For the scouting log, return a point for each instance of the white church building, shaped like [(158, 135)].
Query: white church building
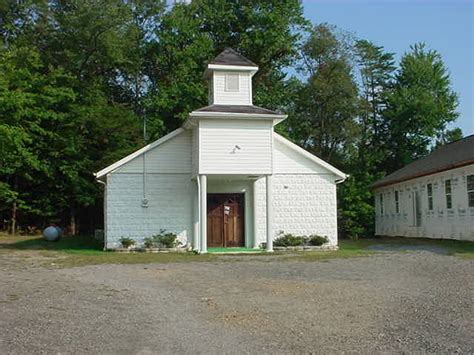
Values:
[(432, 197), (224, 179)]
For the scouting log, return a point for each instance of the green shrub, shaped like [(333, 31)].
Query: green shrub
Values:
[(317, 240), (289, 240), (165, 240), (149, 242), (127, 242)]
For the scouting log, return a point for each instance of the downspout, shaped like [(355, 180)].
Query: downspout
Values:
[(105, 212), (144, 200)]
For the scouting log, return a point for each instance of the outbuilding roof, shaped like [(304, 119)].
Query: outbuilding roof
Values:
[(453, 155), (230, 57)]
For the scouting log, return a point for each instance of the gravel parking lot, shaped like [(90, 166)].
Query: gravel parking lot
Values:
[(391, 301)]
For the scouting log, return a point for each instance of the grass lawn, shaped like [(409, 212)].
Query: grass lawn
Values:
[(83, 250)]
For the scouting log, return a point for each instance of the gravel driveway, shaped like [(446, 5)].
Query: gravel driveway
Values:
[(403, 302)]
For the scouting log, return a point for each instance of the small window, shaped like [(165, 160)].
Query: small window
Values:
[(470, 190), (381, 204), (397, 203), (448, 193), (429, 188), (232, 82)]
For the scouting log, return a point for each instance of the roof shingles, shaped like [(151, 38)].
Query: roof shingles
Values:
[(230, 57), (449, 156)]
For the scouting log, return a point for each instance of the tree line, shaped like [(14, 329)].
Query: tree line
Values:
[(85, 82)]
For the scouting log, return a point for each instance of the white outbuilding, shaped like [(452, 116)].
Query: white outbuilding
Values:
[(432, 197), (224, 179)]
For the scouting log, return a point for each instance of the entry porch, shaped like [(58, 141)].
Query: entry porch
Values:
[(226, 212)]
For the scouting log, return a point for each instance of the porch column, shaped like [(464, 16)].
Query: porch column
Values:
[(203, 219), (269, 199), (195, 192), (255, 217)]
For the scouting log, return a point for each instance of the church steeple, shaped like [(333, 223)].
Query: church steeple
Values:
[(230, 79)]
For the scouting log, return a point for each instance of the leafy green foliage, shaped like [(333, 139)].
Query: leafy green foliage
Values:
[(165, 240), (317, 240), (420, 106), (323, 120), (127, 242), (289, 240)]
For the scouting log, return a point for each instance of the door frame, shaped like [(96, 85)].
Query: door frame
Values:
[(243, 205), (238, 185)]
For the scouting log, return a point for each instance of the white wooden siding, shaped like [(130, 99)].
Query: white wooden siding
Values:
[(218, 153), (455, 223), (223, 97), (287, 161), (173, 156), (195, 151)]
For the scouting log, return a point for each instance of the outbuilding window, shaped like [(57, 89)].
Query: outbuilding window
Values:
[(397, 203), (448, 193), (429, 189), (470, 190), (232, 82), (381, 204)]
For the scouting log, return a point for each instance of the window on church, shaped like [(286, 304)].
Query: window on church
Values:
[(381, 204), (448, 193), (232, 82), (470, 190), (397, 202), (429, 188)]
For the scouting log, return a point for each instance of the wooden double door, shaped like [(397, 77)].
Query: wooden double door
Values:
[(225, 220)]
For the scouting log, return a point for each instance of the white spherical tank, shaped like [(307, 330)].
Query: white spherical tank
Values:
[(51, 234)]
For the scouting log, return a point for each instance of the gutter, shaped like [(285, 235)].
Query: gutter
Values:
[(339, 181)]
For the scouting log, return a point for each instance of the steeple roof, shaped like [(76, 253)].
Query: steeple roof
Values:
[(230, 57)]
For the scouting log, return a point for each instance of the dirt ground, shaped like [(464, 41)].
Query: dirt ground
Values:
[(387, 302)]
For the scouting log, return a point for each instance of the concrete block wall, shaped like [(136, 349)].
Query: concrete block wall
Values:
[(303, 204), (169, 206)]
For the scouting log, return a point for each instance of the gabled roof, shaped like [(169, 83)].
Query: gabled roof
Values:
[(237, 109), (453, 155), (178, 131), (137, 153), (230, 57), (311, 157)]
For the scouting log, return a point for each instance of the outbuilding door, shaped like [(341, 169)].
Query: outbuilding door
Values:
[(225, 220)]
